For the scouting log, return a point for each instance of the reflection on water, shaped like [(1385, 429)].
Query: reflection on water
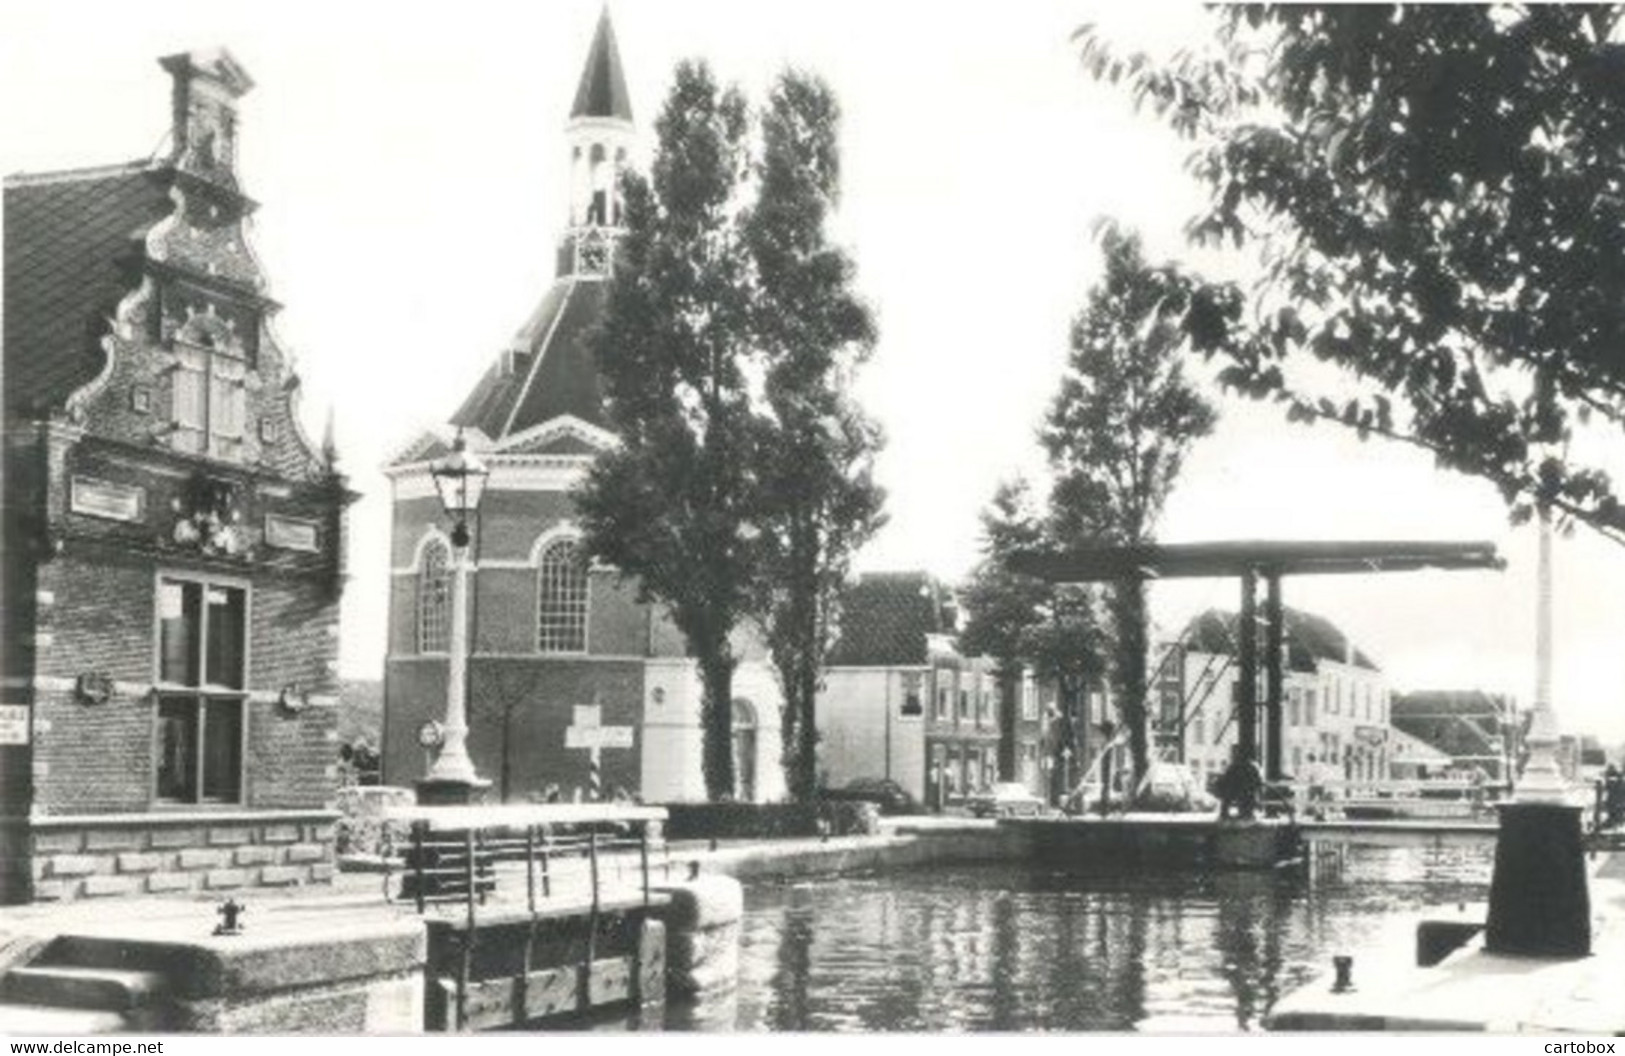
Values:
[(1004, 948)]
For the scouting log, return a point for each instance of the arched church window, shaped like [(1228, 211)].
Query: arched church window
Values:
[(561, 609), (434, 598)]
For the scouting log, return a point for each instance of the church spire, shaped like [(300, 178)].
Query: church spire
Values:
[(602, 91), (600, 135)]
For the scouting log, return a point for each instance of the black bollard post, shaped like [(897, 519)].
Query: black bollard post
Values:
[(1343, 964)]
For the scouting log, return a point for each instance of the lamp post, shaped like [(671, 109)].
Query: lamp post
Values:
[(459, 478), (1540, 903)]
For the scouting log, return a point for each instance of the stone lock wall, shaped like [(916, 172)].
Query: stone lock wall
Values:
[(184, 855)]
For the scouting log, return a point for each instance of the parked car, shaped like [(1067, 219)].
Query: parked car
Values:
[(1008, 799), (891, 797)]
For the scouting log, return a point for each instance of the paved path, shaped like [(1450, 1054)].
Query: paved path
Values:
[(1473, 990)]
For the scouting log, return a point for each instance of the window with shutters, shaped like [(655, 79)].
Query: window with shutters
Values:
[(210, 395)]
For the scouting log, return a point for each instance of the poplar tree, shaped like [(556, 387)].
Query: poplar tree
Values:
[(819, 500), (673, 504), (743, 483), (1117, 434)]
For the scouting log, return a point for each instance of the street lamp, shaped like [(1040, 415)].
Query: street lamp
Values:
[(459, 478), (1540, 902)]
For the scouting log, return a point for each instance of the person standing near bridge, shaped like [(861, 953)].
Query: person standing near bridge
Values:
[(1613, 795)]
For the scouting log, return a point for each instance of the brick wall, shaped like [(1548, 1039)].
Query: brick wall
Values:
[(539, 696), (414, 693), (184, 855), (99, 757)]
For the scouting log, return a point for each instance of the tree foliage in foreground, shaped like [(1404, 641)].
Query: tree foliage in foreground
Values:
[(1437, 196)]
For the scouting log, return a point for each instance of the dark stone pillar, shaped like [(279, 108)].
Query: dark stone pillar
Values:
[(1539, 902), (1247, 683), (1274, 635)]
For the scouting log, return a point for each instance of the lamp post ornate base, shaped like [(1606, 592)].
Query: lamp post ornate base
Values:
[(450, 792), (1539, 902)]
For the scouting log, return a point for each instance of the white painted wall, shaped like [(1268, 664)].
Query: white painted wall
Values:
[(862, 731), (673, 739)]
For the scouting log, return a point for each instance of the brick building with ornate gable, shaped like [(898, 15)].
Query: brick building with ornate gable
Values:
[(173, 543), (550, 633)]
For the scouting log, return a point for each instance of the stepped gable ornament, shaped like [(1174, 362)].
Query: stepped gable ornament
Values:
[(209, 519)]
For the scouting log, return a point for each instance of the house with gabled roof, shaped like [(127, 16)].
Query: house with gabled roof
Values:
[(1335, 712), (553, 636), (1470, 727), (173, 541), (900, 701)]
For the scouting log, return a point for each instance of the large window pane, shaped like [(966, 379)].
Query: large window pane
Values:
[(222, 749), (177, 743), (225, 637), (202, 642), (178, 627)]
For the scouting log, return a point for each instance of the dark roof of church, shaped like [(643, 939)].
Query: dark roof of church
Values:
[(551, 372), (885, 617), (1309, 638), (602, 91), (71, 239)]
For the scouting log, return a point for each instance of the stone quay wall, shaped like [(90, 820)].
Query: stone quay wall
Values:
[(179, 854)]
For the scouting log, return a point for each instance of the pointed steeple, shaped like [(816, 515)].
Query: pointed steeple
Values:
[(602, 91)]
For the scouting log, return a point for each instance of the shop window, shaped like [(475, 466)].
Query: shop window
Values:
[(202, 658)]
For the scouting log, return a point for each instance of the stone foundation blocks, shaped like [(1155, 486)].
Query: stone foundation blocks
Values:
[(97, 886), (201, 859), (281, 876), (140, 863), (163, 839), (163, 883), (72, 865)]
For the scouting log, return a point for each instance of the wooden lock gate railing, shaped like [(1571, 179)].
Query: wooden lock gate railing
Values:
[(516, 865)]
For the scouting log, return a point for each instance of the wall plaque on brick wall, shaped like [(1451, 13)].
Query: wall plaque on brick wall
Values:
[(13, 723), (100, 498), (290, 533)]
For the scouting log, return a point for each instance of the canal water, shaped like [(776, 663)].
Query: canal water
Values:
[(1012, 948)]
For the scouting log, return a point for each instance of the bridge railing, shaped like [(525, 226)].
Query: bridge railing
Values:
[(465, 856)]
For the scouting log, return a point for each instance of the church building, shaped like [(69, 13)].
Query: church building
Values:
[(557, 645)]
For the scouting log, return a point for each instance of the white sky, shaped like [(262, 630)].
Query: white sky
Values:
[(411, 166)]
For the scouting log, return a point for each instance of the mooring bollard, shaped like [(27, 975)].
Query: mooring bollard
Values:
[(1343, 964), (229, 911)]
